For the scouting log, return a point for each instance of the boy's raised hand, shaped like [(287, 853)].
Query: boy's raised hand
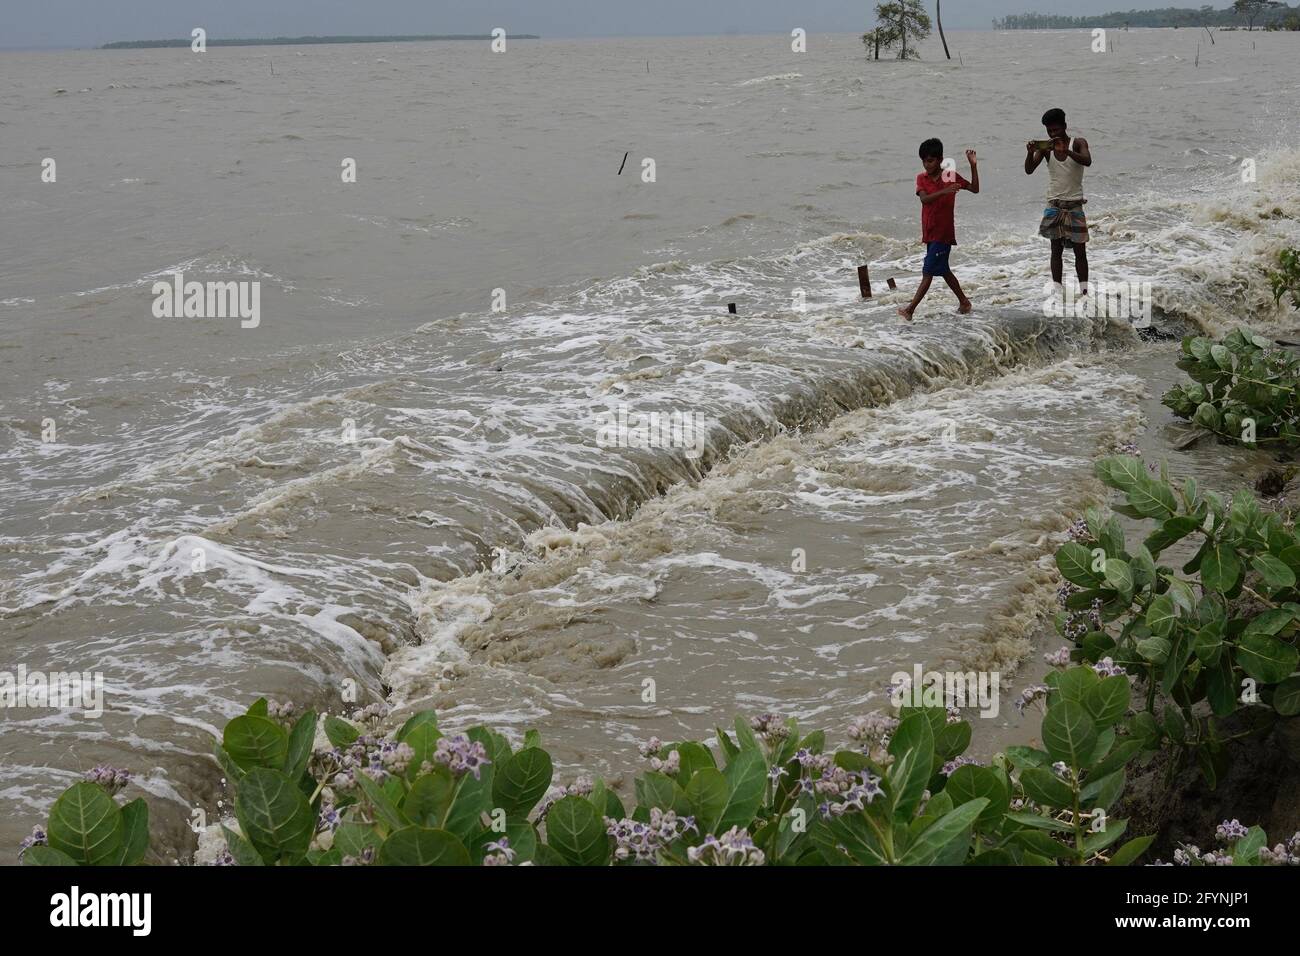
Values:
[(970, 156)]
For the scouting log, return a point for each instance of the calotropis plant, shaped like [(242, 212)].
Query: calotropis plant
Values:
[(901, 793), (1243, 389), (1221, 629)]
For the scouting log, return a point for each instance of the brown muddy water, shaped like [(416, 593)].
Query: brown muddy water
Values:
[(389, 485)]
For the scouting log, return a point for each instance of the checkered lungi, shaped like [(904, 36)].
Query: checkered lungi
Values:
[(1064, 220)]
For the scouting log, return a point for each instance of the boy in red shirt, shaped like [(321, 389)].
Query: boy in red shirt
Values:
[(937, 190)]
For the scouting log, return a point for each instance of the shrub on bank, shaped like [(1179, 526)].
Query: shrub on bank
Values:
[(1213, 638), (902, 793)]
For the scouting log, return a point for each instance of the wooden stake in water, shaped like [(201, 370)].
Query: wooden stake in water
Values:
[(1198, 53), (864, 282)]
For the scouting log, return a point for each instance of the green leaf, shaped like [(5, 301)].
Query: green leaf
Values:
[(577, 833), (951, 826), (275, 815), (969, 782), (1044, 787), (1246, 852), (1162, 615), (40, 855), (1130, 851), (912, 746), (707, 791), (352, 839), (301, 739), (1153, 498), (422, 846), (1275, 574), (254, 741), (1286, 697), (1170, 532), (521, 781), (1069, 733), (240, 849), (135, 833), (424, 718), (1075, 564), (1037, 820), (1123, 472), (746, 778), (1103, 791), (1220, 567), (1023, 758), (1038, 841), (1108, 700), (385, 809), (1098, 841), (340, 732), (1266, 659), (1120, 577), (86, 824), (428, 802)]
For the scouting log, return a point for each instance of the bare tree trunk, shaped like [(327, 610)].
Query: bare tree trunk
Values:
[(877, 43), (938, 13)]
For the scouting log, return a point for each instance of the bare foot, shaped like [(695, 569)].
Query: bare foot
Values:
[(906, 313), (965, 307)]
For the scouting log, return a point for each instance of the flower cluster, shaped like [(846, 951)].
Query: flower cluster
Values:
[(1029, 695), (461, 755), (282, 712), (1079, 623), (1065, 592), (365, 859), (372, 712), (771, 728), (581, 787), (1108, 668), (38, 838), (951, 766), (499, 853), (376, 757), (1230, 830), (643, 841), (733, 848), (1059, 657), (1078, 531), (329, 817), (873, 732), (110, 778)]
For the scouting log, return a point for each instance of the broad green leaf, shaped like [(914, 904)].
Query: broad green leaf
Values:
[(41, 855), (243, 852), (969, 782), (422, 846), (954, 825), (1069, 733), (577, 833), (301, 739), (1044, 787), (1266, 659), (254, 741), (1130, 851), (86, 824), (746, 778), (522, 781), (275, 815)]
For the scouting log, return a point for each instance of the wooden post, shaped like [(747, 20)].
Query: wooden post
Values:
[(892, 283), (938, 13), (864, 282), (731, 307)]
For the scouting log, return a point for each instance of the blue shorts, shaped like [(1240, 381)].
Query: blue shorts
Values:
[(936, 259)]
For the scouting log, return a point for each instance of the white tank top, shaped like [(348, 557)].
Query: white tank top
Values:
[(1064, 178)]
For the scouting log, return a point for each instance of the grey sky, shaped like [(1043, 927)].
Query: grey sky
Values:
[(92, 22)]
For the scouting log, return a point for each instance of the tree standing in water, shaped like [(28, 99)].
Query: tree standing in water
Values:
[(909, 20)]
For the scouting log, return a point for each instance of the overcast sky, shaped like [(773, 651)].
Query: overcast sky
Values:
[(80, 23)]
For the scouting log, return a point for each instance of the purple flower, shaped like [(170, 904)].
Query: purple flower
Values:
[(110, 778), (461, 755), (1230, 830)]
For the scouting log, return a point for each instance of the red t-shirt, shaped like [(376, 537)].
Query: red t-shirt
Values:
[(937, 223)]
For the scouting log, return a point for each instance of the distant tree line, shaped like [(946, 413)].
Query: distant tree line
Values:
[(302, 41), (1244, 13)]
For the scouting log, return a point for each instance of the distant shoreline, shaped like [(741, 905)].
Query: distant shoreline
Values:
[(305, 41)]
